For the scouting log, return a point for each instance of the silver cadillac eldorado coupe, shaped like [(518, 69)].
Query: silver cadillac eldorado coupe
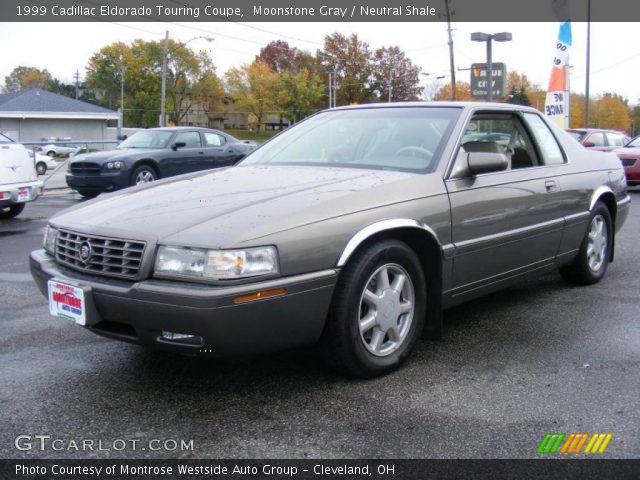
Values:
[(353, 229)]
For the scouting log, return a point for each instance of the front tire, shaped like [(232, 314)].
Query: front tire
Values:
[(88, 193), (377, 312), (591, 263), (11, 211), (143, 174)]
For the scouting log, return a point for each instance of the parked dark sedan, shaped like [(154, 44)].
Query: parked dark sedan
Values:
[(152, 154), (354, 228)]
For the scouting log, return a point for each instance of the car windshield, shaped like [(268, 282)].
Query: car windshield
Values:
[(147, 139), (575, 134), (634, 143), (5, 139), (406, 138)]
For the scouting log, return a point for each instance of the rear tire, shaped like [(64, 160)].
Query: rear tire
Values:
[(51, 153), (377, 312), (591, 263), (11, 211), (41, 168)]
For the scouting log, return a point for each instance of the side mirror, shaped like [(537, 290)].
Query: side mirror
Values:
[(178, 145), (588, 144), (486, 162)]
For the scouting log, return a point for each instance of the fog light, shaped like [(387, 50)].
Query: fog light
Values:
[(181, 338)]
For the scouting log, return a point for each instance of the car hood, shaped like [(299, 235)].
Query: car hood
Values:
[(237, 205), (113, 155)]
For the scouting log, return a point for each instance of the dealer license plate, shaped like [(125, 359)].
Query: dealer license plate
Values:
[(67, 301), (23, 195)]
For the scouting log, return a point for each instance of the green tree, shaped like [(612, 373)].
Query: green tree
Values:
[(349, 58), (518, 96), (300, 94), (255, 88), (191, 80), (23, 78), (390, 65)]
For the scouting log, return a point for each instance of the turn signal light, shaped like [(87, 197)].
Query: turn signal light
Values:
[(259, 295)]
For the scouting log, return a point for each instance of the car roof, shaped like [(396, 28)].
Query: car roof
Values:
[(177, 129), (441, 104)]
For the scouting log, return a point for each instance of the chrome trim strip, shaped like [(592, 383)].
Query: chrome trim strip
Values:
[(577, 217), (625, 200), (378, 227), (597, 193), (468, 245)]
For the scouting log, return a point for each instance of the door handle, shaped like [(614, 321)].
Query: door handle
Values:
[(201, 153), (551, 186)]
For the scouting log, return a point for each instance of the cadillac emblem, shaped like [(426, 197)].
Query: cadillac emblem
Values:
[(85, 251)]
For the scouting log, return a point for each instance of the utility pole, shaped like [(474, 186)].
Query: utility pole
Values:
[(330, 90), (390, 82), (451, 62), (77, 77), (163, 88), (586, 87)]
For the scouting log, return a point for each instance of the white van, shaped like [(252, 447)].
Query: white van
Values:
[(19, 182)]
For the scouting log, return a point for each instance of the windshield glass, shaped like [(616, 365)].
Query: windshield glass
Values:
[(5, 139), (634, 143), (404, 138), (148, 139), (577, 135)]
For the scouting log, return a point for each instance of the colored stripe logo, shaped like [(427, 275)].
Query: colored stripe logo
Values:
[(573, 443)]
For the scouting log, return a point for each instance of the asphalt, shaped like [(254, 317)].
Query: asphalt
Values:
[(541, 357)]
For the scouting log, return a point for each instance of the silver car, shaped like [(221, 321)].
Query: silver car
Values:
[(353, 229)]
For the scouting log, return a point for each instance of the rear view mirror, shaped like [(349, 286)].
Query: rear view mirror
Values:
[(486, 162), (178, 145)]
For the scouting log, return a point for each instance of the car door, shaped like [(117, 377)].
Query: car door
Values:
[(183, 159), (504, 223), (220, 152)]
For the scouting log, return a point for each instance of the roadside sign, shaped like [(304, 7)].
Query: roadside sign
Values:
[(480, 80)]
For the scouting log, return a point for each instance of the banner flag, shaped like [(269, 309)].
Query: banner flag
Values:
[(557, 102)]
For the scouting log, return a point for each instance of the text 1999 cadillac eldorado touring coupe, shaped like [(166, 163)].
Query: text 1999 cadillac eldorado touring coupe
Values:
[(354, 229)]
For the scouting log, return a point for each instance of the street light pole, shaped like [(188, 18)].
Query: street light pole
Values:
[(163, 88), (486, 37)]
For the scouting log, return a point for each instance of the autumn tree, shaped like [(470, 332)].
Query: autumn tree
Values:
[(23, 78), (349, 58), (392, 68), (255, 87), (610, 111), (463, 92)]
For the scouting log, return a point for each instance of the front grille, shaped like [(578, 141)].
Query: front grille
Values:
[(628, 162), (84, 168), (112, 257)]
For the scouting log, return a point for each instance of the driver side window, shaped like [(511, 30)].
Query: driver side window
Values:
[(191, 139), (500, 133)]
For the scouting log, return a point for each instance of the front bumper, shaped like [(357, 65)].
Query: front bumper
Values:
[(101, 182), (139, 312), (10, 192)]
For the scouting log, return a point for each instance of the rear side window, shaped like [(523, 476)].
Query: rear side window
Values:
[(549, 148), (597, 139), (214, 140), (616, 140)]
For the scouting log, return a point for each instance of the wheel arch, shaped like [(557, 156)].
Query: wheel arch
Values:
[(146, 162), (606, 196), (424, 242)]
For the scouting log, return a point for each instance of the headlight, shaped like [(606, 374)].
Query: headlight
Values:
[(49, 241), (116, 165), (216, 264)]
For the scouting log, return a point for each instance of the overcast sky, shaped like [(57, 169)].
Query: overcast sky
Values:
[(615, 59)]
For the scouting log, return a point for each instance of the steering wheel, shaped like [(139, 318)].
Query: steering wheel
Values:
[(413, 151)]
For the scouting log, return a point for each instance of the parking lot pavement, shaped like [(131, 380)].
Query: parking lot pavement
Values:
[(541, 357)]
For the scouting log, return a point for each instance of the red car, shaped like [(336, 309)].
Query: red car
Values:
[(630, 156), (598, 139)]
